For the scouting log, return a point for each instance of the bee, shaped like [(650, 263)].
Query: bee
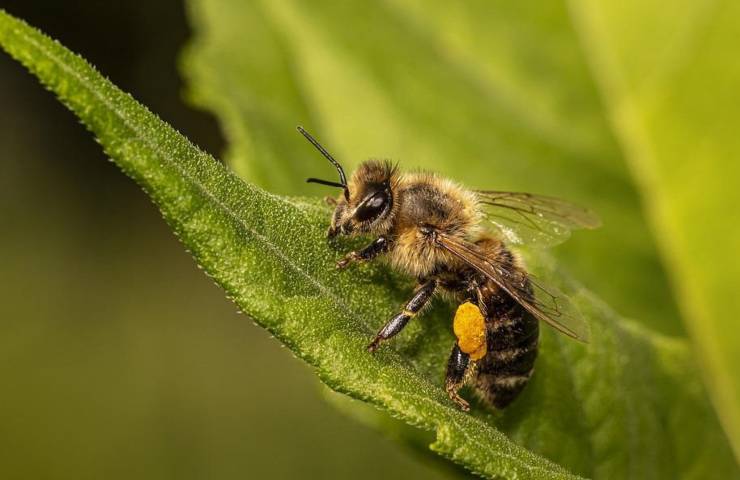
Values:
[(454, 240)]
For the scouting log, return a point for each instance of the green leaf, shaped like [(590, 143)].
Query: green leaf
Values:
[(627, 405), (675, 109), (494, 94)]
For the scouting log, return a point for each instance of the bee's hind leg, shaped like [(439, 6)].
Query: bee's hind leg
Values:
[(457, 369), (421, 297)]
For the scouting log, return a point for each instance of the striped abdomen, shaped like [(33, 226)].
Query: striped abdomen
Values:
[(511, 334)]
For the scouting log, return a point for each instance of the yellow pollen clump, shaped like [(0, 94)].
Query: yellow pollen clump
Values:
[(470, 329)]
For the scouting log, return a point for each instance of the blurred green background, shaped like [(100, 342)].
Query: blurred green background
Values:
[(118, 357)]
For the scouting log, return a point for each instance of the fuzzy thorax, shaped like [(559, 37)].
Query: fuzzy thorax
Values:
[(429, 201)]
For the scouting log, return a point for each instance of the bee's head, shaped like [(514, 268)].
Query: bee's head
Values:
[(366, 203)]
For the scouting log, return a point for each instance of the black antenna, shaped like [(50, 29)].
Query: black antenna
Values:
[(342, 178), (325, 182)]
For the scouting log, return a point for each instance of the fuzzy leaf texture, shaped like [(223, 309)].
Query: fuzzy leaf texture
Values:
[(628, 405)]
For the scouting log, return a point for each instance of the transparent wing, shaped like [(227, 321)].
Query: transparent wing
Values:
[(543, 301), (525, 218)]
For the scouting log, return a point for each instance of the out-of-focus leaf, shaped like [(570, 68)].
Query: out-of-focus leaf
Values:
[(627, 405), (676, 108), (494, 94)]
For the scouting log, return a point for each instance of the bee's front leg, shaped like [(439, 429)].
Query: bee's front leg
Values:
[(421, 297), (379, 245)]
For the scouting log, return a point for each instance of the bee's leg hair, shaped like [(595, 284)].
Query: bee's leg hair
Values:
[(457, 367), (379, 245), (422, 295)]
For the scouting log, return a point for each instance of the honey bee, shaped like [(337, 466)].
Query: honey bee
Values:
[(454, 240)]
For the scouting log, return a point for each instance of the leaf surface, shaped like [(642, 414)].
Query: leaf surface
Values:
[(627, 405)]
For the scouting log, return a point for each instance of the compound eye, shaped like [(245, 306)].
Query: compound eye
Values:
[(372, 207)]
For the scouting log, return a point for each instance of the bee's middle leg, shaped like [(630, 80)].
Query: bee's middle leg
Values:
[(421, 297)]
